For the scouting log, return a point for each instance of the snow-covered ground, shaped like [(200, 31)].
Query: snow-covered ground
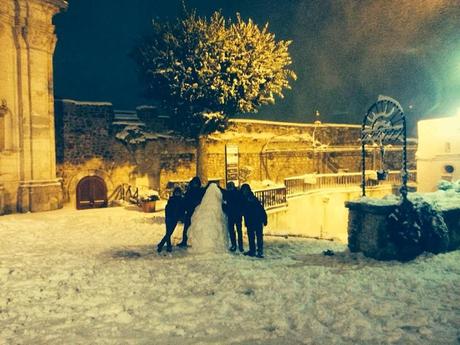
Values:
[(93, 277)]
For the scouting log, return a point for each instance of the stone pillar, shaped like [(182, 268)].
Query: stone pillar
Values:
[(8, 91), (27, 42), (2, 206)]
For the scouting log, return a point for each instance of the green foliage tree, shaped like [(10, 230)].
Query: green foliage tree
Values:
[(203, 71)]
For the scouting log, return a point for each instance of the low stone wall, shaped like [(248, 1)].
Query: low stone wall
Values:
[(368, 226), (318, 214)]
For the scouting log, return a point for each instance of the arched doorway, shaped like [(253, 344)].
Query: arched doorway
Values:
[(91, 193)]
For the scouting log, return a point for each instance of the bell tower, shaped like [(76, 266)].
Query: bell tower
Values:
[(27, 144)]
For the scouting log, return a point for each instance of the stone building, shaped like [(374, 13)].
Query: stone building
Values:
[(106, 149), (85, 153), (438, 152), (27, 146)]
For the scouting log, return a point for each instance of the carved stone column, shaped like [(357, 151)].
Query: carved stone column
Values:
[(9, 153), (27, 42)]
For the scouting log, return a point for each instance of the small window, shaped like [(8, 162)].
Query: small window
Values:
[(449, 168)]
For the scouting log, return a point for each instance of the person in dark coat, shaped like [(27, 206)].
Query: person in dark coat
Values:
[(255, 218), (232, 204), (174, 212), (192, 199)]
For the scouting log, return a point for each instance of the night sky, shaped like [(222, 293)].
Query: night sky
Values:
[(345, 52)]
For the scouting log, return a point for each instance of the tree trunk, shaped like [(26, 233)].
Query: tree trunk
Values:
[(202, 159)]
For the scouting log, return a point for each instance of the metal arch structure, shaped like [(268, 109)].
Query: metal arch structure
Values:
[(385, 124)]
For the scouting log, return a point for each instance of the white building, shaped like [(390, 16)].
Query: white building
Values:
[(438, 154)]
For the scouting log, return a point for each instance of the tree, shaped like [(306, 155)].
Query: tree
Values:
[(203, 71)]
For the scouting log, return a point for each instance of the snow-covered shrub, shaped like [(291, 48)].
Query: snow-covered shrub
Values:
[(414, 227), (457, 186), (445, 185), (435, 234), (404, 232)]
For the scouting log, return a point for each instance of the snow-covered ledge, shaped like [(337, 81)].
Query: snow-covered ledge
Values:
[(369, 224)]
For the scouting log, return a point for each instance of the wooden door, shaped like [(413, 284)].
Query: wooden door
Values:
[(91, 193)]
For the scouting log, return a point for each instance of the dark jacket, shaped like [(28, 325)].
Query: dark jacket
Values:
[(192, 199), (253, 212), (175, 208), (232, 203)]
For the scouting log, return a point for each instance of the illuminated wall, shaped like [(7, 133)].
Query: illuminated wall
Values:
[(438, 154), (87, 146), (27, 148)]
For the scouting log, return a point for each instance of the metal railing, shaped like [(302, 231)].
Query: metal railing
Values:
[(272, 197), (302, 184), (277, 196), (394, 177), (126, 192)]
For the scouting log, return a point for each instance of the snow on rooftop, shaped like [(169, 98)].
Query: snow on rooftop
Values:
[(128, 122), (231, 134), (118, 111), (125, 115), (108, 104), (293, 124), (146, 107), (135, 134)]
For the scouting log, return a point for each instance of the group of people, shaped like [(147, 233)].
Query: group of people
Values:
[(237, 204)]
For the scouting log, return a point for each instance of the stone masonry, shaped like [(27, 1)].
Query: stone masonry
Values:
[(87, 145), (27, 148)]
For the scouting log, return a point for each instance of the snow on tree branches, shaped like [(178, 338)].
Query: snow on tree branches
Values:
[(205, 70)]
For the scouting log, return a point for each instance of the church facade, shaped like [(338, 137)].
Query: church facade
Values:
[(28, 180)]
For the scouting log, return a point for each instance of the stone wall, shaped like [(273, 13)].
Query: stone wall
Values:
[(276, 150), (326, 133), (82, 132), (86, 145)]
